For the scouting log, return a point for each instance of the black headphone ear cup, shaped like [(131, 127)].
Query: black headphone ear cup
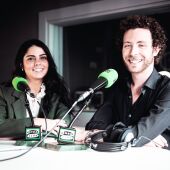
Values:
[(113, 134), (123, 135), (116, 135)]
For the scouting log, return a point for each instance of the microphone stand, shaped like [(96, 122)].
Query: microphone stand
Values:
[(49, 132), (32, 133)]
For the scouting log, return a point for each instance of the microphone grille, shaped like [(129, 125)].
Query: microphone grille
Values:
[(111, 75), (17, 80)]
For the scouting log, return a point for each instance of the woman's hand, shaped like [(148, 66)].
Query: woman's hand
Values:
[(51, 123)]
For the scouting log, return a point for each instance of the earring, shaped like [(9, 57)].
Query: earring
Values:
[(21, 67)]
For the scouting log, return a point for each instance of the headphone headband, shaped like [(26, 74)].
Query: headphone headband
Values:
[(99, 145), (115, 138)]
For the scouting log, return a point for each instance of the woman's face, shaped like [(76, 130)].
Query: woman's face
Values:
[(35, 63)]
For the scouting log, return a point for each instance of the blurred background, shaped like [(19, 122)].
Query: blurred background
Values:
[(88, 47)]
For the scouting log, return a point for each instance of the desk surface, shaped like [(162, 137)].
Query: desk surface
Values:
[(143, 158)]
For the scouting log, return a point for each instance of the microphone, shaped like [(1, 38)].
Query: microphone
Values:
[(20, 84), (105, 79)]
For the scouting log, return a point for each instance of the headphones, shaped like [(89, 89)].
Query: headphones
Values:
[(115, 138)]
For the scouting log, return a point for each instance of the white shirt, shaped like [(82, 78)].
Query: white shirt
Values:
[(34, 101)]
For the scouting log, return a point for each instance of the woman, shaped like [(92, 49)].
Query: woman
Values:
[(34, 63)]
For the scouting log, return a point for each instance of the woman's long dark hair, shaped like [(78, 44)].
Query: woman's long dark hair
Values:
[(54, 83)]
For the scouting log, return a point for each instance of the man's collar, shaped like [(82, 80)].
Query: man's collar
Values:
[(150, 82)]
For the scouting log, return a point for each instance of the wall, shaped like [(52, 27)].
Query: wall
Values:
[(20, 22)]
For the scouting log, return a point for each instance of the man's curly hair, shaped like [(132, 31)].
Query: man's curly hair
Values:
[(141, 21)]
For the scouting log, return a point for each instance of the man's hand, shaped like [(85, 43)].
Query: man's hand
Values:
[(81, 134), (159, 141)]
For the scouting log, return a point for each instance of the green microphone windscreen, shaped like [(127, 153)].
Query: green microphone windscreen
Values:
[(110, 75), (18, 80)]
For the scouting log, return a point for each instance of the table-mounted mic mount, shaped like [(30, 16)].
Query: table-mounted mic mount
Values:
[(32, 133)]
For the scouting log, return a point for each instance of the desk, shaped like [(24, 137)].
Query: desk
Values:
[(143, 158)]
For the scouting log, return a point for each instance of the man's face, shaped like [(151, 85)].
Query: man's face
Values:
[(137, 51)]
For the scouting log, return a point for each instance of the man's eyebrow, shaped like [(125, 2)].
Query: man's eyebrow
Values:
[(137, 42)]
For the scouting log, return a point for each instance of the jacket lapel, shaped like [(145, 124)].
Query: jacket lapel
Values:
[(19, 105)]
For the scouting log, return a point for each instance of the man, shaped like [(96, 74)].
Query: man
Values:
[(141, 101)]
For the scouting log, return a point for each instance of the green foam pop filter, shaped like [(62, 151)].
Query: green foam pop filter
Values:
[(111, 75), (18, 80)]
